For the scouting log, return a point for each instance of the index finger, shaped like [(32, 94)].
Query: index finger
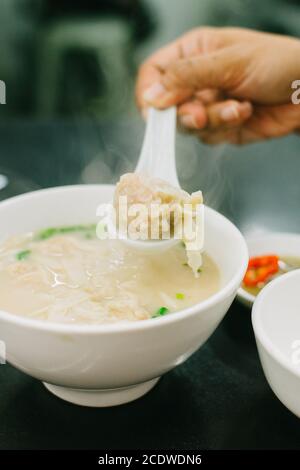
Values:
[(152, 69)]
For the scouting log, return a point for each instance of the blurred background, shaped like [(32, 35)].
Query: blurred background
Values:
[(70, 117)]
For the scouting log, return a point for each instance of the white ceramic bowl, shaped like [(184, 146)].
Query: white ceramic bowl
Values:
[(282, 244), (106, 365), (276, 324)]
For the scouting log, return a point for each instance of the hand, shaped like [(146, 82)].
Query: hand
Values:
[(229, 84)]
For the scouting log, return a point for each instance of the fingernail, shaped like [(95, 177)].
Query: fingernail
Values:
[(229, 113), (155, 92), (188, 121), (246, 107)]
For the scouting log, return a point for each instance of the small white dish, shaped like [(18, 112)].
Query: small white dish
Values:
[(106, 365), (276, 324), (281, 244)]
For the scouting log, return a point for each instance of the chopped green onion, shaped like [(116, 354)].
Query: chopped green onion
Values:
[(199, 270), (184, 264), (179, 295), (50, 232), (47, 233), (23, 254), (160, 312)]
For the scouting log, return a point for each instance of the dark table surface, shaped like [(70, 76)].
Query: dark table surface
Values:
[(218, 399)]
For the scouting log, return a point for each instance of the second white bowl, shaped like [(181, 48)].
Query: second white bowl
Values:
[(276, 324)]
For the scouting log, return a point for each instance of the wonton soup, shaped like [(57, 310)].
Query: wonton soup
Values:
[(68, 275)]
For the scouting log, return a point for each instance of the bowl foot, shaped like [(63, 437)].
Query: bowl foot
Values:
[(104, 397)]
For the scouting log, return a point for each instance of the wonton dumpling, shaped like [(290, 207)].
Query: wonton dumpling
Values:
[(142, 189)]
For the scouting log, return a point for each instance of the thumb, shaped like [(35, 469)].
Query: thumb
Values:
[(182, 78)]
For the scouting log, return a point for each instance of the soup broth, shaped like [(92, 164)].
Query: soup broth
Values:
[(69, 275)]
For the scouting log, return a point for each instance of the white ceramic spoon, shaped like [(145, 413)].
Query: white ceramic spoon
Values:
[(157, 156), (157, 159)]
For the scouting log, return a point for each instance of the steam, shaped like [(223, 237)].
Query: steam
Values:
[(201, 167)]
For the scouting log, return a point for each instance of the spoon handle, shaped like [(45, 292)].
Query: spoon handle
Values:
[(157, 157)]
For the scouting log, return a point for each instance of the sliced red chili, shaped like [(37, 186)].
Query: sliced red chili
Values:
[(260, 269), (265, 260)]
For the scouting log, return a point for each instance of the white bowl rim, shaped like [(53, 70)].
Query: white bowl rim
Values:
[(63, 328), (242, 294), (258, 328)]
